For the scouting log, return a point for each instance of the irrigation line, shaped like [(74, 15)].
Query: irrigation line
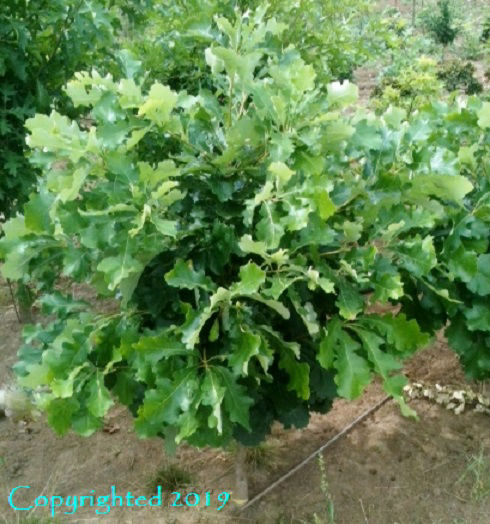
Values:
[(292, 471)]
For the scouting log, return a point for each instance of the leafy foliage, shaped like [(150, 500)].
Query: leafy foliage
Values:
[(457, 75), (441, 24), (485, 34), (335, 37), (409, 87), (244, 231), (41, 45)]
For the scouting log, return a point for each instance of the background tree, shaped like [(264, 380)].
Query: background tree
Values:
[(42, 44)]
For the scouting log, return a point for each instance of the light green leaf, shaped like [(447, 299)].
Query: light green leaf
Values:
[(212, 394), (282, 173), (353, 372), (342, 94), (484, 115), (117, 268), (99, 400), (446, 187), (248, 245), (326, 208), (60, 412), (159, 104), (251, 278)]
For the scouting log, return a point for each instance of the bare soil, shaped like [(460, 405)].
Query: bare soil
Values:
[(388, 469)]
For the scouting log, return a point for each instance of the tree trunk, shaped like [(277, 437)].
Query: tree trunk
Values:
[(24, 300), (241, 481)]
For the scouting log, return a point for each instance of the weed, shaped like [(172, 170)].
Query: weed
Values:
[(171, 478), (329, 506), (477, 472), (261, 457)]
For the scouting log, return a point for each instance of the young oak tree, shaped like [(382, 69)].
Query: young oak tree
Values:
[(244, 232)]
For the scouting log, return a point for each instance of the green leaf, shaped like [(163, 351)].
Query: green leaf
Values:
[(99, 400), (278, 307), (212, 394), (164, 404), (353, 372), (385, 364), (236, 400), (335, 134), (130, 65), (484, 115), (478, 316), (183, 275), (38, 375), (279, 285), (129, 94), (251, 278), (36, 212), (282, 173), (405, 335), (447, 187), (480, 283), (118, 268), (299, 374), (159, 104), (464, 265), (306, 312), (63, 388), (60, 412), (188, 424), (387, 287), (350, 302), (326, 353), (165, 227), (245, 346), (154, 348), (342, 94), (417, 256), (269, 229), (85, 424), (248, 245), (326, 208)]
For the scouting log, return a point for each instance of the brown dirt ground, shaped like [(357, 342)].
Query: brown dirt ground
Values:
[(388, 469)]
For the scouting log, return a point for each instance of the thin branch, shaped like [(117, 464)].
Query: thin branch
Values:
[(9, 283)]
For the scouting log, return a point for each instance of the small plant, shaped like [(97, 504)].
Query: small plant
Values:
[(260, 457), (485, 35), (471, 48), (478, 473), (410, 88), (329, 506), (458, 75), (441, 24), (171, 478)]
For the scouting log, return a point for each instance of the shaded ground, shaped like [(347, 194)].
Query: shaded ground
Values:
[(386, 470)]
